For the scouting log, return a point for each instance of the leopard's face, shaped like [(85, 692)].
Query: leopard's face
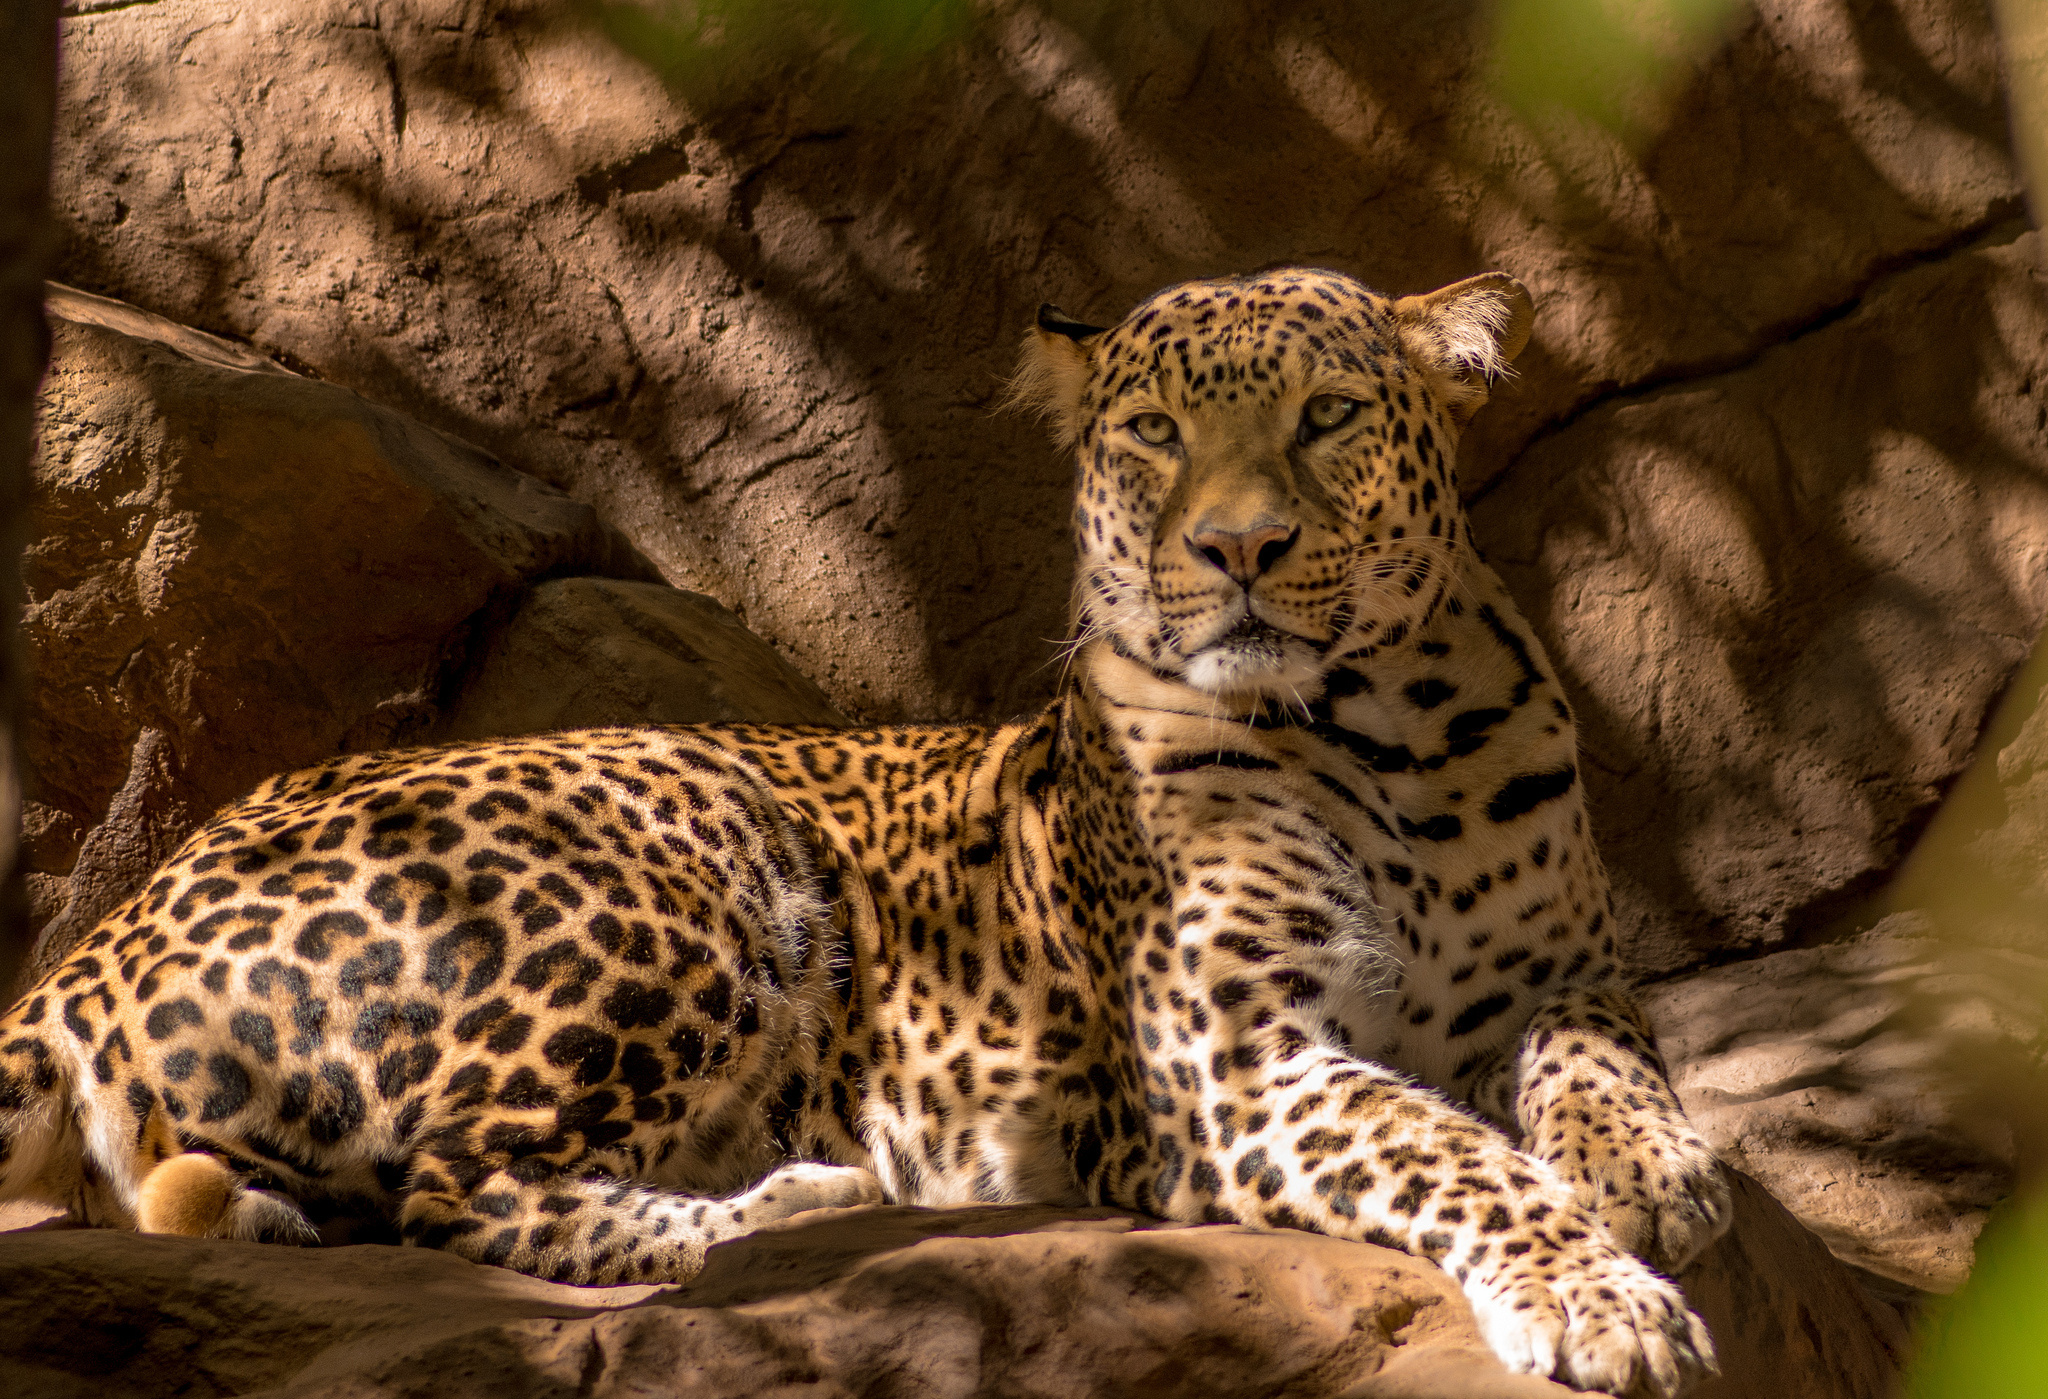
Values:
[(1267, 467)]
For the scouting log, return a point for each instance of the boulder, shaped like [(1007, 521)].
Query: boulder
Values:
[(1785, 598), (581, 653), (1790, 1321), (235, 570), (1027, 1301), (1890, 1083), (1846, 1079)]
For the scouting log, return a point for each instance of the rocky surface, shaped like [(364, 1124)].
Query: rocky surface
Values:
[(28, 245), (1891, 1085), (1838, 1077), (1786, 597), (235, 570), (881, 1303), (581, 653), (1769, 477)]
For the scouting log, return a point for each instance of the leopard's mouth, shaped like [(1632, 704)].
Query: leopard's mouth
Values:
[(1252, 636), (1255, 657)]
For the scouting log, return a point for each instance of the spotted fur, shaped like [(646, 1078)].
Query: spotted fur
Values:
[(1285, 912)]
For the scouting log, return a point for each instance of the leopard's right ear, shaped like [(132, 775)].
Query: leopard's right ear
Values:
[(1053, 371)]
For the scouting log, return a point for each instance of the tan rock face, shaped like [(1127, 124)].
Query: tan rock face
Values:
[(237, 571), (1786, 597), (1838, 1077), (884, 1302), (582, 653), (1890, 1086), (28, 246)]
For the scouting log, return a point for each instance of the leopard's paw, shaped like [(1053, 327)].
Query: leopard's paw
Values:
[(195, 1194), (1694, 1205), (1661, 1193), (807, 1185), (1594, 1318)]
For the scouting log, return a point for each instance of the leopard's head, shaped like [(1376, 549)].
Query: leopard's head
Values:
[(1267, 466)]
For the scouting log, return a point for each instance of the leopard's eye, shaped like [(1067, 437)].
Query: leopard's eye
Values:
[(1155, 428), (1326, 411)]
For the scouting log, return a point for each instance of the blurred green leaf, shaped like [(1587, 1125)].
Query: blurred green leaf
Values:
[(697, 44), (1611, 62), (1986, 1341)]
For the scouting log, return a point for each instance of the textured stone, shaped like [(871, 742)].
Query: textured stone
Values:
[(1785, 598), (1847, 1080), (1789, 1321), (759, 314), (887, 1302), (586, 652), (28, 245), (1892, 1085), (237, 571)]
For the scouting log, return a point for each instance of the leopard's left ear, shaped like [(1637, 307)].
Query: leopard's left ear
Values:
[(1054, 371), (1466, 334)]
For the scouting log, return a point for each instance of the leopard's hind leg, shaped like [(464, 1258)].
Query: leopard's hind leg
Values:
[(600, 1230)]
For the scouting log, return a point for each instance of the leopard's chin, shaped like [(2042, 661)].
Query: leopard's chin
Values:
[(1256, 660)]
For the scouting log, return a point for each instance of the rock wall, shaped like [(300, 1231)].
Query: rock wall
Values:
[(1771, 479), (1849, 1080), (1891, 1084), (28, 89), (1789, 594)]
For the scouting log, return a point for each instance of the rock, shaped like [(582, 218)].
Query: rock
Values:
[(758, 310), (1890, 1085), (1789, 1321), (1785, 598), (1837, 1076), (1038, 1301), (586, 652), (1028, 1301), (235, 571), (28, 247)]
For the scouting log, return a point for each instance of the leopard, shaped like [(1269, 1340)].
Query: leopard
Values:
[(1284, 913)]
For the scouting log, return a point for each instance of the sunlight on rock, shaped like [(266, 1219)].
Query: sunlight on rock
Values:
[(1609, 62), (1075, 89)]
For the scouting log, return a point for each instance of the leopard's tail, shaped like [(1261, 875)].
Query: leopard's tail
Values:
[(42, 1147), (80, 1130)]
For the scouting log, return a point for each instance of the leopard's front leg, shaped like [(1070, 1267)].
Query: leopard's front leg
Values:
[(1259, 1115), (1313, 1139), (1592, 1097)]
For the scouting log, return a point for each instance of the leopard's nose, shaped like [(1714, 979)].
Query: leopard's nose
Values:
[(1244, 554)]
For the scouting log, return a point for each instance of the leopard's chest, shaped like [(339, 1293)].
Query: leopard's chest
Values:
[(1469, 831)]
